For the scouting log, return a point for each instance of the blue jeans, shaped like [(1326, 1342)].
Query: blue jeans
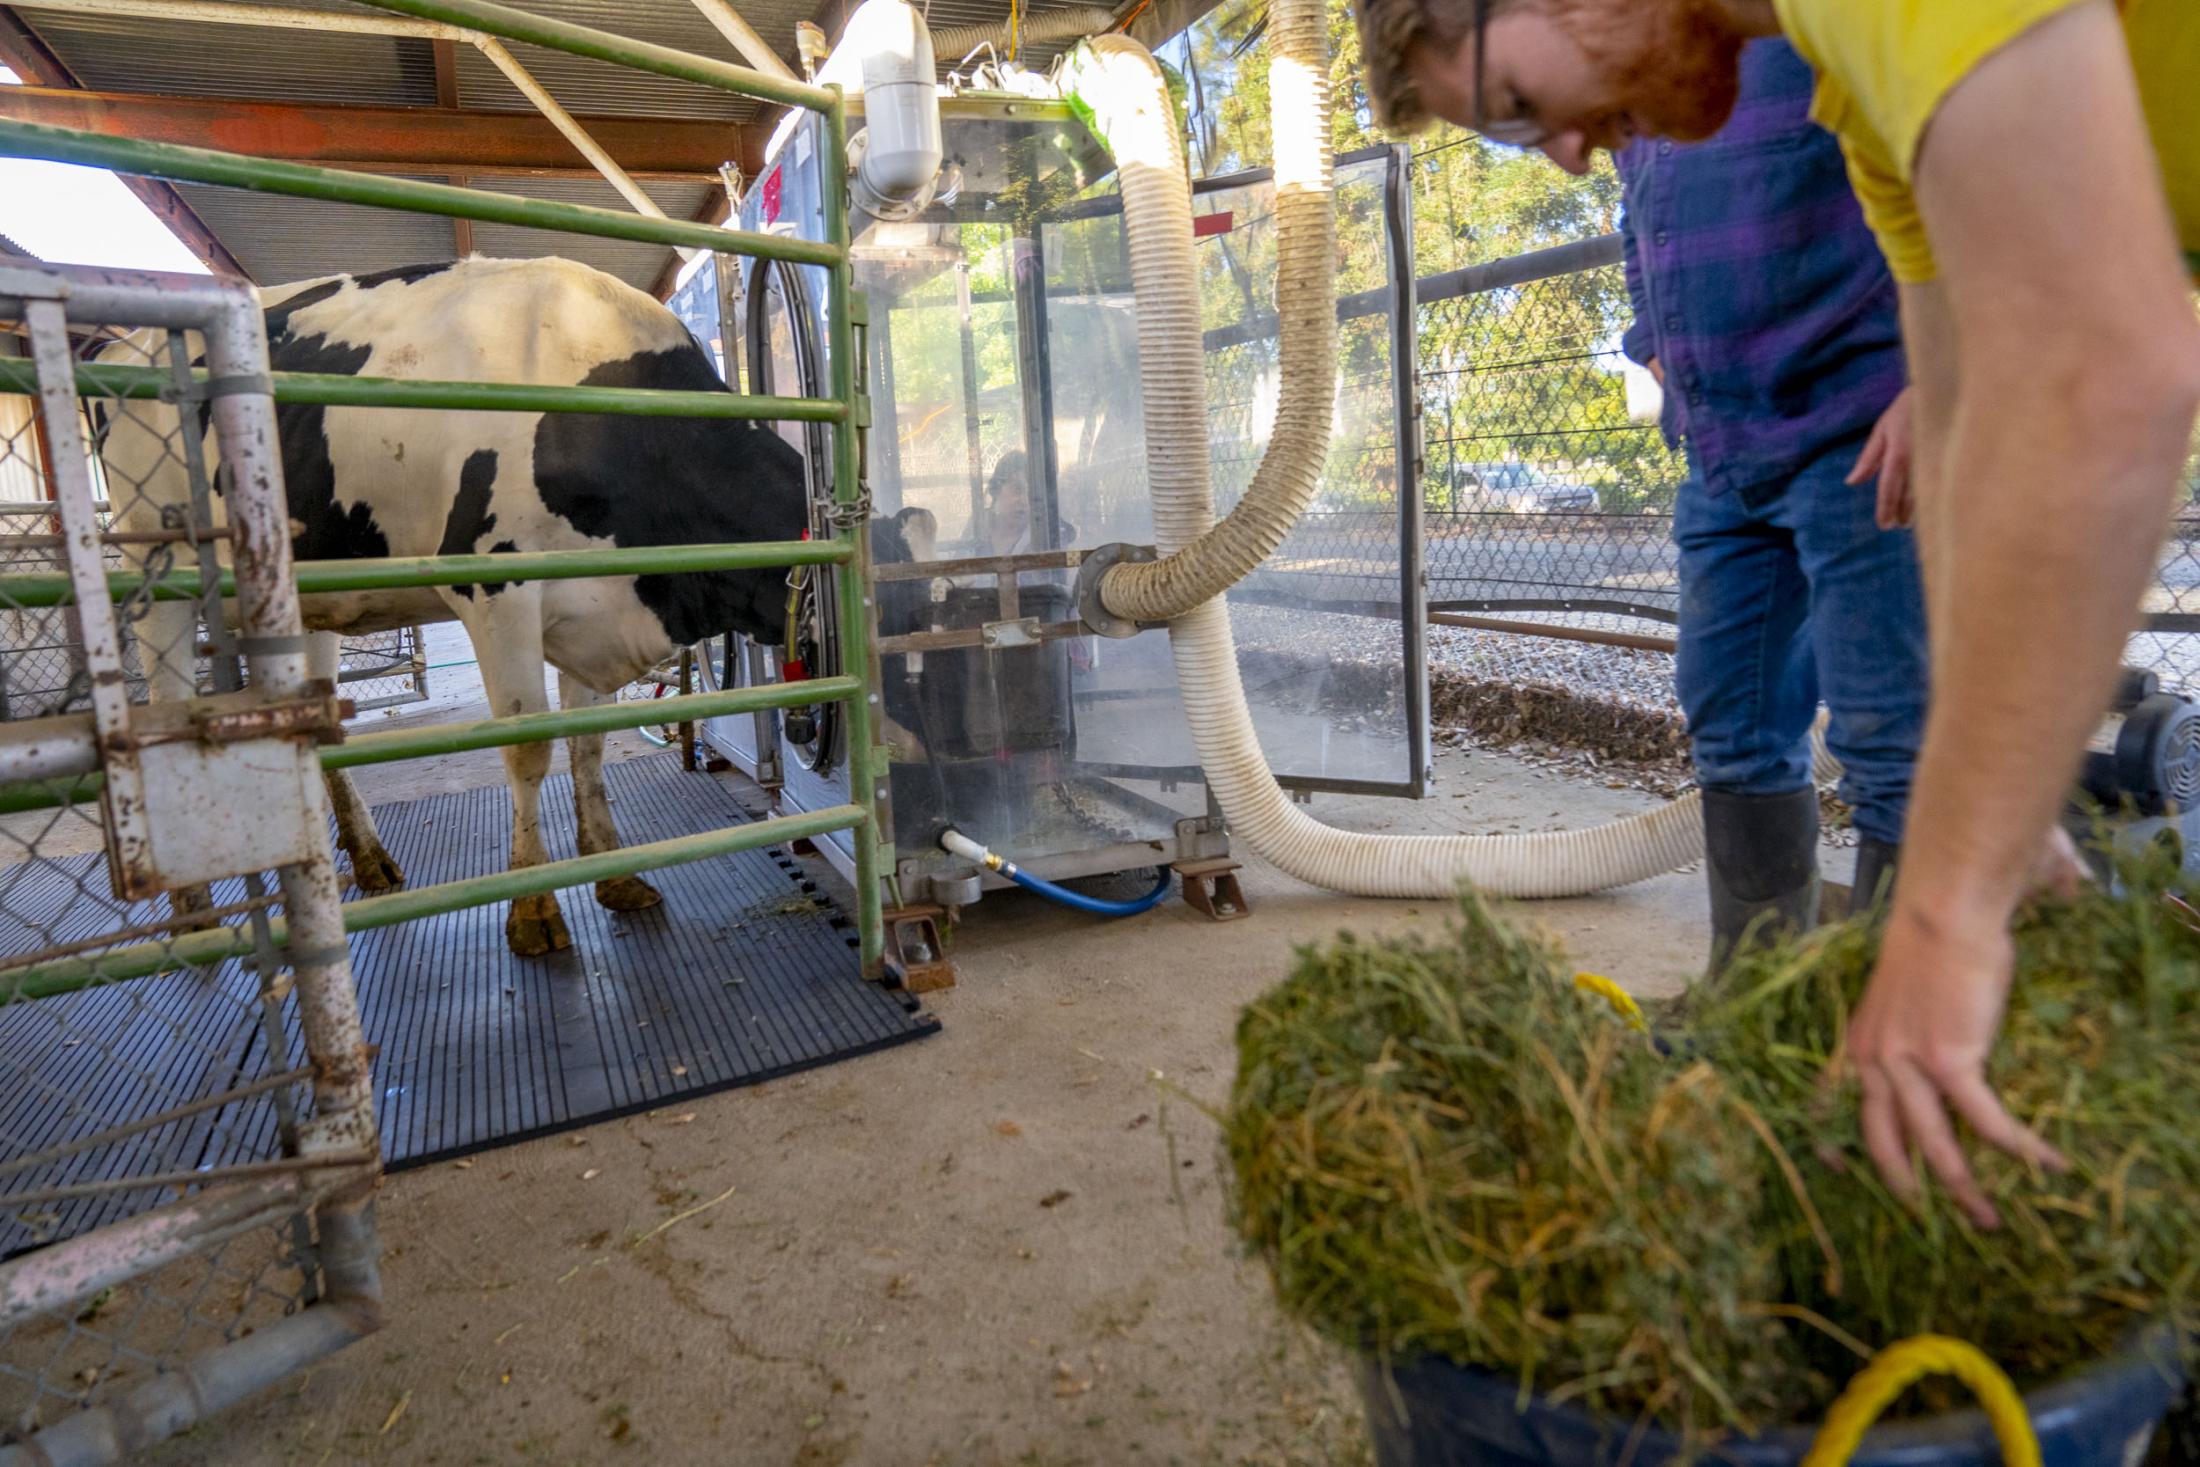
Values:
[(1790, 594)]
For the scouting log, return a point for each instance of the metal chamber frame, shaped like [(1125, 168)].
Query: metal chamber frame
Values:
[(56, 763), (1037, 281)]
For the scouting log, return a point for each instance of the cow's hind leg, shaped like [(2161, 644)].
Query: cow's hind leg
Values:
[(507, 637), (592, 806), (371, 864)]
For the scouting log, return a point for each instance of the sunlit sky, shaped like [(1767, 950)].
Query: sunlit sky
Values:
[(83, 216)]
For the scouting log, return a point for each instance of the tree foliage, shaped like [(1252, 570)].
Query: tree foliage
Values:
[(1530, 375)]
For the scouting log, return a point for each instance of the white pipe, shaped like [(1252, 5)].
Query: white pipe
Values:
[(1139, 124), (745, 39)]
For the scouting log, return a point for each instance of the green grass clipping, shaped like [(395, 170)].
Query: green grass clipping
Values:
[(1448, 1148)]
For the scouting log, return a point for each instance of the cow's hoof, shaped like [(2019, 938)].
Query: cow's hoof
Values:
[(627, 894), (189, 908), (536, 927), (376, 871)]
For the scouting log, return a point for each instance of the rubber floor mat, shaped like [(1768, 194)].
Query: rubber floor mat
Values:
[(745, 972)]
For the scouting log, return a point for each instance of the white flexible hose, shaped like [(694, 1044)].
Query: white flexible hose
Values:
[(1198, 565), (1117, 81)]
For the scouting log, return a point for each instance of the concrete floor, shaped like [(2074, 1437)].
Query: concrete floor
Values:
[(1002, 1245), (1005, 1244)]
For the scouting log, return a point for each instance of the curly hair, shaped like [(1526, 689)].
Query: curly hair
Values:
[(1390, 32)]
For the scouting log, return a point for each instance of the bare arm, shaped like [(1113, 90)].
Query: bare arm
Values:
[(2059, 372)]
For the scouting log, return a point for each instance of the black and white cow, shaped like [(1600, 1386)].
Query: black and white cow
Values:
[(373, 482)]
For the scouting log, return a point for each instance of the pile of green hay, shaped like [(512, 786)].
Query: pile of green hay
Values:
[(1451, 1149)]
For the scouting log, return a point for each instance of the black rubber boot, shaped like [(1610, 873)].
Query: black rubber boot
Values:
[(1761, 859), (1875, 867)]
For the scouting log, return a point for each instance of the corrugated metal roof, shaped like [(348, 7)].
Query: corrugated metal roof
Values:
[(113, 53), (636, 264), (586, 86), (282, 239)]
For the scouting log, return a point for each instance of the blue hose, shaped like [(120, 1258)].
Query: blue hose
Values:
[(1085, 903), (956, 843)]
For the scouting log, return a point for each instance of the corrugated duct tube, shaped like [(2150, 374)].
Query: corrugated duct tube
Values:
[(1118, 86), (953, 42)]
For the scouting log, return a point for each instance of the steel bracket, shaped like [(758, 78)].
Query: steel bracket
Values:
[(915, 957), (1211, 888)]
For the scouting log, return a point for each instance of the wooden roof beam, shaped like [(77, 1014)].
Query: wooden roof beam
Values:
[(394, 139)]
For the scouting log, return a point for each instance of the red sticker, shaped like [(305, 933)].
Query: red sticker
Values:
[(1206, 225), (774, 190)]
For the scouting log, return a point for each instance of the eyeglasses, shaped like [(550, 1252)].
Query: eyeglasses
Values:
[(1518, 132)]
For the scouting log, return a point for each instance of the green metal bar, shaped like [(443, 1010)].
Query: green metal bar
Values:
[(578, 40), (491, 733), (558, 723), (48, 794), (326, 577), (198, 949), (303, 180), (857, 595), (333, 389), (51, 794)]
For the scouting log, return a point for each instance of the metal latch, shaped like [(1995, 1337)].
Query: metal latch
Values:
[(240, 717), (1022, 632)]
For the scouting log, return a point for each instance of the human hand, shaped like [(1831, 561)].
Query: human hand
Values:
[(2059, 870), (1887, 453), (1918, 1044)]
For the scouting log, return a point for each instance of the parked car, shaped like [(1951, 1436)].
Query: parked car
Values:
[(1517, 488)]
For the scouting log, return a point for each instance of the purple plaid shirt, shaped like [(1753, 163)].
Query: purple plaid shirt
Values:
[(1757, 286)]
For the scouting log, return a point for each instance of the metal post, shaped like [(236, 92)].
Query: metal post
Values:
[(973, 433), (687, 725), (852, 517), (1028, 281), (1405, 388), (268, 613)]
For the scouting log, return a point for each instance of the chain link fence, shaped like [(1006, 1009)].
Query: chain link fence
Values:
[(1548, 501), (179, 1142)]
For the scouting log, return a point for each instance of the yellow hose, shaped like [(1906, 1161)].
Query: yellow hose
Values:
[(1902, 1365)]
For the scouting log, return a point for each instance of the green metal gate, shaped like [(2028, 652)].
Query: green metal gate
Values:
[(848, 550)]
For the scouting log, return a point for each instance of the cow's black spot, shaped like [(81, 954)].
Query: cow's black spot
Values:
[(502, 547), (329, 532), (678, 481), (278, 316), (409, 274), (469, 518)]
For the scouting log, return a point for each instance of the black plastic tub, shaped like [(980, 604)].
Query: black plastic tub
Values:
[(1436, 1414)]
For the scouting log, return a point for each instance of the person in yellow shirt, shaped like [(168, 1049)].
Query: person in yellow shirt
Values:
[(2032, 171)]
